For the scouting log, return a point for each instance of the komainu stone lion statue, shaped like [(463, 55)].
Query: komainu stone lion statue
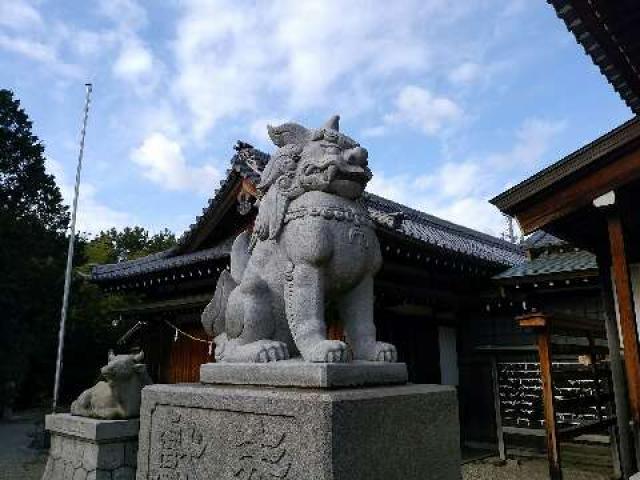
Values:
[(313, 244), (118, 396)]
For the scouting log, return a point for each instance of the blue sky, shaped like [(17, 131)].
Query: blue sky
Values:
[(455, 101)]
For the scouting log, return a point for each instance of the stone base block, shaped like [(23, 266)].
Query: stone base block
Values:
[(86, 448), (297, 373), (246, 432)]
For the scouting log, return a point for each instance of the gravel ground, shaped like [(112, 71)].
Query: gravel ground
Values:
[(528, 468), (17, 460)]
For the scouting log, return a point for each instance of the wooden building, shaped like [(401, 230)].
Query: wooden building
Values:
[(433, 288), (590, 199), (562, 281)]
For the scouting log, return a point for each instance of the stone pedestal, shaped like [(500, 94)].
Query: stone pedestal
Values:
[(250, 432), (86, 448), (297, 373)]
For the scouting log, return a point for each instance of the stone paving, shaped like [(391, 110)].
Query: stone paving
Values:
[(17, 460), (524, 468), (20, 462)]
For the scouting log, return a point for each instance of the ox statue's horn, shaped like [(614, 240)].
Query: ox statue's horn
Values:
[(333, 123), (111, 355), (139, 357)]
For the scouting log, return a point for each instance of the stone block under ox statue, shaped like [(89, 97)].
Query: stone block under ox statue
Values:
[(99, 439), (313, 243)]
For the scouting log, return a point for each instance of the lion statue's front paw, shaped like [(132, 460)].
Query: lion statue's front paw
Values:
[(270, 351), (377, 352), (328, 351), (385, 352), (261, 351)]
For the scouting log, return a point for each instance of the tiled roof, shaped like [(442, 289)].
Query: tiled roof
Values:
[(165, 260), (608, 32), (572, 262), (542, 239), (436, 232), (388, 215)]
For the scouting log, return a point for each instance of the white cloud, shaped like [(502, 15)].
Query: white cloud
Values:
[(93, 215), (88, 43), (134, 61), (38, 51), (474, 211), (163, 163), (396, 187), (19, 15), (465, 73), (128, 14), (419, 108), (231, 58), (457, 200), (459, 191), (480, 74), (533, 139), (453, 179), (32, 49), (377, 131)]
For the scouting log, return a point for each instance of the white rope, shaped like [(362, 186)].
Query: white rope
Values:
[(182, 332)]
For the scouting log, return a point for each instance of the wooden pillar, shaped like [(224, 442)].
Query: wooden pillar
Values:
[(626, 312), (620, 394), (540, 323), (553, 449)]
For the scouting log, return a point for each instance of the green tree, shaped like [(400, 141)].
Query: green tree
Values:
[(32, 224), (27, 192), (112, 246), (33, 247)]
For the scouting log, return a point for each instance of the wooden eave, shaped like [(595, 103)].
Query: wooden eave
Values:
[(608, 32), (571, 185), (555, 278), (182, 303)]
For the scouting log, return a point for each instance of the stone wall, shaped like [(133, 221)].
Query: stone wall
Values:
[(87, 449)]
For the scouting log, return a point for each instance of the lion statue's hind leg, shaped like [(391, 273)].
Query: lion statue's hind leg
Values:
[(240, 314), (250, 327)]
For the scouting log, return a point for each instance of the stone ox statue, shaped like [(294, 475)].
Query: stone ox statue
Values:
[(313, 244), (117, 397)]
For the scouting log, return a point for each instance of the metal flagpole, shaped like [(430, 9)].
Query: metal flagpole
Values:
[(72, 237)]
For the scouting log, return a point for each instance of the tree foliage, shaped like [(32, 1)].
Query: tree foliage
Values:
[(33, 248), (32, 223), (27, 192), (111, 246)]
